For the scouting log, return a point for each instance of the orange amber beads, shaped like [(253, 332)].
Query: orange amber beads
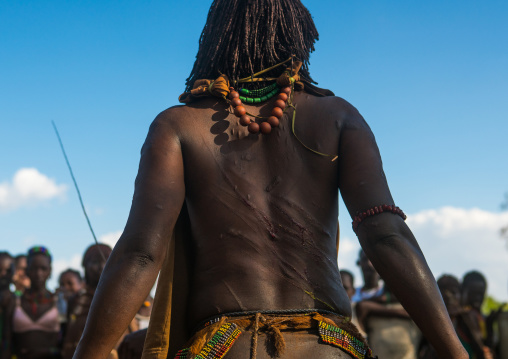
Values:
[(266, 124)]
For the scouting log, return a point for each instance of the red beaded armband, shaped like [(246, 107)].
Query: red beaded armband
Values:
[(376, 210)]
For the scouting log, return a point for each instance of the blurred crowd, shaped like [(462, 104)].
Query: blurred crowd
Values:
[(480, 322), (37, 324)]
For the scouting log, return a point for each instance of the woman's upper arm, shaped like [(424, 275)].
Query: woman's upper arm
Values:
[(159, 190), (362, 181)]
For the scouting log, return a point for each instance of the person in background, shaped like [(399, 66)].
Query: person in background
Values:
[(20, 279), (372, 285), (390, 331), (35, 324), (70, 283), (388, 327), (93, 263), (348, 282), (449, 286), (6, 303), (471, 326), (500, 318), (496, 322), (132, 345)]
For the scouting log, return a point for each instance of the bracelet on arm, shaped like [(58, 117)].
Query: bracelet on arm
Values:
[(360, 216)]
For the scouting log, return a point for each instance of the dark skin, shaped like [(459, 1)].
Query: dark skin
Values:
[(6, 302), (377, 307), (21, 281), (451, 298), (93, 270), (132, 345), (472, 296), (79, 305), (263, 212), (347, 283), (370, 275), (36, 344), (6, 272), (70, 284), (489, 322)]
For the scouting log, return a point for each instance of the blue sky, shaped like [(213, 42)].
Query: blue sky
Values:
[(430, 78)]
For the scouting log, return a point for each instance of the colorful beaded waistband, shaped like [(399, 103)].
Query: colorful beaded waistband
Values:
[(227, 333), (340, 338), (217, 318), (218, 346)]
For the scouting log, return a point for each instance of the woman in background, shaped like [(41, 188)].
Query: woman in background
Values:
[(70, 283), (93, 263), (35, 322)]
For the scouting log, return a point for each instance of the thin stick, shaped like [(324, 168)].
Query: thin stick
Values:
[(77, 188)]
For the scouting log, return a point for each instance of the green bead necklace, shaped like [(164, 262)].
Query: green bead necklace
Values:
[(259, 92), (259, 95)]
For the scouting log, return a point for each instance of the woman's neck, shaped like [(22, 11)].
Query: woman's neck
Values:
[(36, 291)]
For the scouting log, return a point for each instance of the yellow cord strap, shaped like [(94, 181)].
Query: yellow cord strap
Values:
[(253, 78), (257, 79), (303, 144), (290, 104)]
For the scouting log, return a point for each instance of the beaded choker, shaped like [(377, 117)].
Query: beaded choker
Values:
[(36, 299), (260, 95), (283, 87)]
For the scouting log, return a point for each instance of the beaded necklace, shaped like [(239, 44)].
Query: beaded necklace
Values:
[(260, 95), (284, 99), (269, 122), (36, 299), (283, 87)]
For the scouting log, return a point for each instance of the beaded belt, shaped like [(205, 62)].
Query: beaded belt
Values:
[(216, 347), (215, 319), (225, 336)]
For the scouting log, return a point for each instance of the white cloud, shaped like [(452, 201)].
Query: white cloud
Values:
[(28, 188), (110, 238), (348, 254), (455, 241)]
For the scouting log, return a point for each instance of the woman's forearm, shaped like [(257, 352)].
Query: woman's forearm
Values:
[(397, 257), (126, 281)]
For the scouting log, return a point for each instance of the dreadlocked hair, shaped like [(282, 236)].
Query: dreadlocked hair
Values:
[(242, 37)]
